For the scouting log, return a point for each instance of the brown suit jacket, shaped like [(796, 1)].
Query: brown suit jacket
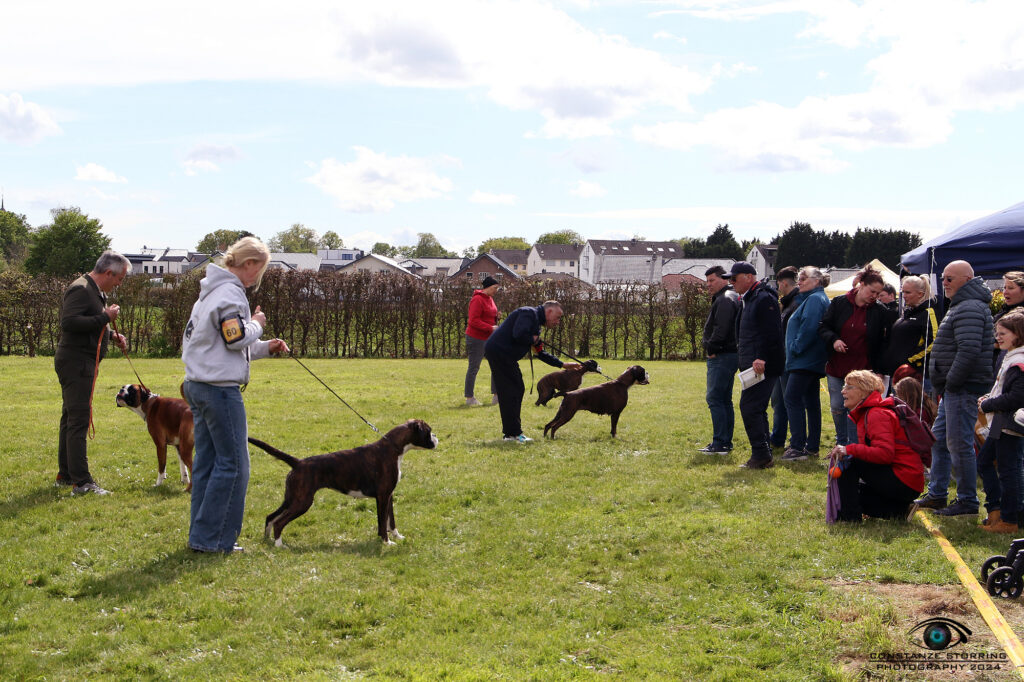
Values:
[(82, 326)]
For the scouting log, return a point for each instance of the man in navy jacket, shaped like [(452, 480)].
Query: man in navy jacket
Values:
[(759, 345), (513, 339)]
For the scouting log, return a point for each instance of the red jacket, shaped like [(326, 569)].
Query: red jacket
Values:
[(880, 426), (483, 315)]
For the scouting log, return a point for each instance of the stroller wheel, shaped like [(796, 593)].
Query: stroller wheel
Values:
[(990, 563), (1003, 583)]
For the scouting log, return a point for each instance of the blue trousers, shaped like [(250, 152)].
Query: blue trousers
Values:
[(780, 412), (720, 378), (220, 467), (954, 447), (803, 404)]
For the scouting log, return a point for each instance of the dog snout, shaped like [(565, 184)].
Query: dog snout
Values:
[(434, 440)]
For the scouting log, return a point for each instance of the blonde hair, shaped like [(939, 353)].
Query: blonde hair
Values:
[(246, 249), (1015, 276), (866, 380), (812, 272), (922, 283)]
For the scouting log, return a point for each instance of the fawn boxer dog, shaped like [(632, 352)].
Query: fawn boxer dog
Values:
[(371, 470), (563, 381), (607, 398), (169, 421)]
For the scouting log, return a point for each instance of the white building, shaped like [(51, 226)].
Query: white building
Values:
[(374, 262), (332, 259), (762, 257), (552, 258), (604, 260)]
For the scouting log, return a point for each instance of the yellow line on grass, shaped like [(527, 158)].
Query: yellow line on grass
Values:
[(989, 612)]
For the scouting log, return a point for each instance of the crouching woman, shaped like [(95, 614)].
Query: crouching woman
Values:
[(882, 473)]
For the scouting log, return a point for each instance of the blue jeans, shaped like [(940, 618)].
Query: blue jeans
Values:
[(846, 430), (954, 447), (780, 410), (803, 404), (721, 374), (220, 468)]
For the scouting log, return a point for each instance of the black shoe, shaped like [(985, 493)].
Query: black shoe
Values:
[(758, 463), (794, 455), (926, 501), (711, 449), (958, 508)]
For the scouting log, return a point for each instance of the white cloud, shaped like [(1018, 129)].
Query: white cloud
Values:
[(93, 172), (375, 182), (665, 35), (491, 198), (195, 167), (587, 190), (207, 158), (24, 122), (525, 54)]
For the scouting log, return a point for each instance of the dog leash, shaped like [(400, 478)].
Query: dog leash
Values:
[(376, 430), (113, 326), (571, 357)]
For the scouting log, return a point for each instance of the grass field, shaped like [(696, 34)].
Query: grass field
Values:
[(583, 557)]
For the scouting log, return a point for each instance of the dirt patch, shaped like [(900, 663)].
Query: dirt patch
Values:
[(912, 604)]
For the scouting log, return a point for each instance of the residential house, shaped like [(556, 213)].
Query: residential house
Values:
[(334, 259), (166, 261), (374, 262), (608, 260), (429, 267), (679, 270), (483, 265), (550, 258), (514, 259), (762, 257), (294, 261)]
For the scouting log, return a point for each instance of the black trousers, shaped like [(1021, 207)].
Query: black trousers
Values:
[(508, 385), (872, 489), (754, 410), (76, 388)]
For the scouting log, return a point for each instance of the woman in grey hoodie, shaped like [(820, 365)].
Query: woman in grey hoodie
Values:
[(221, 338)]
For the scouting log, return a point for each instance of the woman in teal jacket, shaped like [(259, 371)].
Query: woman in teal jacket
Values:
[(806, 355)]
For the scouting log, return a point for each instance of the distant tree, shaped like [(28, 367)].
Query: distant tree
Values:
[(799, 245), (219, 240), (405, 251), (331, 240), (721, 244), (748, 244), (15, 237), (639, 237), (693, 247), (296, 239), (834, 249), (503, 243), (561, 237), (429, 247), (469, 252), (68, 246), (384, 249), (885, 245)]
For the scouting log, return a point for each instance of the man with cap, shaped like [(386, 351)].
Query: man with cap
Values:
[(514, 338), (720, 347), (759, 346)]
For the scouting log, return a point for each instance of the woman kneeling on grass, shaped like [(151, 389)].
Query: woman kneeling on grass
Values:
[(883, 474), (1003, 494)]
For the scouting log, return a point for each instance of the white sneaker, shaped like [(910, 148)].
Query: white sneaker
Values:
[(518, 439), (471, 401), (87, 488)]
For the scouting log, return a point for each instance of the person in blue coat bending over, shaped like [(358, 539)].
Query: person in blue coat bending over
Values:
[(510, 342)]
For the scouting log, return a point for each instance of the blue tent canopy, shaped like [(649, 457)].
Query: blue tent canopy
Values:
[(992, 245)]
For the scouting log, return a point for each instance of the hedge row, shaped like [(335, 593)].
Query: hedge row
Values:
[(327, 314)]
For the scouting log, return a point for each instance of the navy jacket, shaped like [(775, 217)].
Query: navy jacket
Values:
[(514, 337), (759, 330), (961, 360)]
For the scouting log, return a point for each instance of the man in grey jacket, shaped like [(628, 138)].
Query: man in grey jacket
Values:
[(961, 370), (720, 347)]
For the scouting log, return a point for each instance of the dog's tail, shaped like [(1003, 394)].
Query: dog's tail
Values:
[(283, 456)]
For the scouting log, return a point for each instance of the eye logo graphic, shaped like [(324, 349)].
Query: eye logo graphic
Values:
[(937, 633)]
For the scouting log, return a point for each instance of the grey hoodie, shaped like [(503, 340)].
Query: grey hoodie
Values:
[(208, 357), (960, 360)]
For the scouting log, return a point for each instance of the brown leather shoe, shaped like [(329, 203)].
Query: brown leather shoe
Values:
[(993, 517), (1001, 526)]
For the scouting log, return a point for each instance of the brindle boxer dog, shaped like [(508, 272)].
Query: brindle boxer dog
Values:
[(563, 381), (366, 471), (607, 398), (169, 421)]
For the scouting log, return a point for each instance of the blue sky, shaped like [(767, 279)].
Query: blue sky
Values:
[(480, 119)]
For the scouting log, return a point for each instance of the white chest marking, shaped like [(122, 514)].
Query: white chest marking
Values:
[(399, 468)]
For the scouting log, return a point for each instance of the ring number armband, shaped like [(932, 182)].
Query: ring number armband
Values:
[(232, 329)]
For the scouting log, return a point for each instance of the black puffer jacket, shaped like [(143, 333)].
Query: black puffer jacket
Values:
[(720, 327), (759, 330), (909, 336), (961, 358)]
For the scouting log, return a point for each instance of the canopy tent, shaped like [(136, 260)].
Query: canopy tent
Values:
[(842, 286), (992, 245)]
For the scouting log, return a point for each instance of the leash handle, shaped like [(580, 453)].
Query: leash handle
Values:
[(375, 429)]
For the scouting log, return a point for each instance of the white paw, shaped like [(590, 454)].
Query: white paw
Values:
[(396, 535), (278, 543), (160, 479)]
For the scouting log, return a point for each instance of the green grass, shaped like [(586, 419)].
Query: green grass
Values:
[(569, 559)]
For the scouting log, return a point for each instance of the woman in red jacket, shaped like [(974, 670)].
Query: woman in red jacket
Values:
[(883, 474), (483, 320)]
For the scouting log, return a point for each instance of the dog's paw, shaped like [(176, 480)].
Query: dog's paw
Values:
[(396, 535), (160, 480)]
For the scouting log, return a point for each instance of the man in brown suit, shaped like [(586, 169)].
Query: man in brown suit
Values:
[(84, 316)]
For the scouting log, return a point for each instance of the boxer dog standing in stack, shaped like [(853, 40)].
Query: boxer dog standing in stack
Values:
[(371, 470), (563, 381), (607, 398), (169, 421)]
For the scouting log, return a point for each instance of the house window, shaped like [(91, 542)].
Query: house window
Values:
[(562, 263), (347, 256), (572, 264), (549, 263), (161, 269), (469, 274)]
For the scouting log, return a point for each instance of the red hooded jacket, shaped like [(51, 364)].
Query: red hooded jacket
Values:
[(483, 315), (880, 426)]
